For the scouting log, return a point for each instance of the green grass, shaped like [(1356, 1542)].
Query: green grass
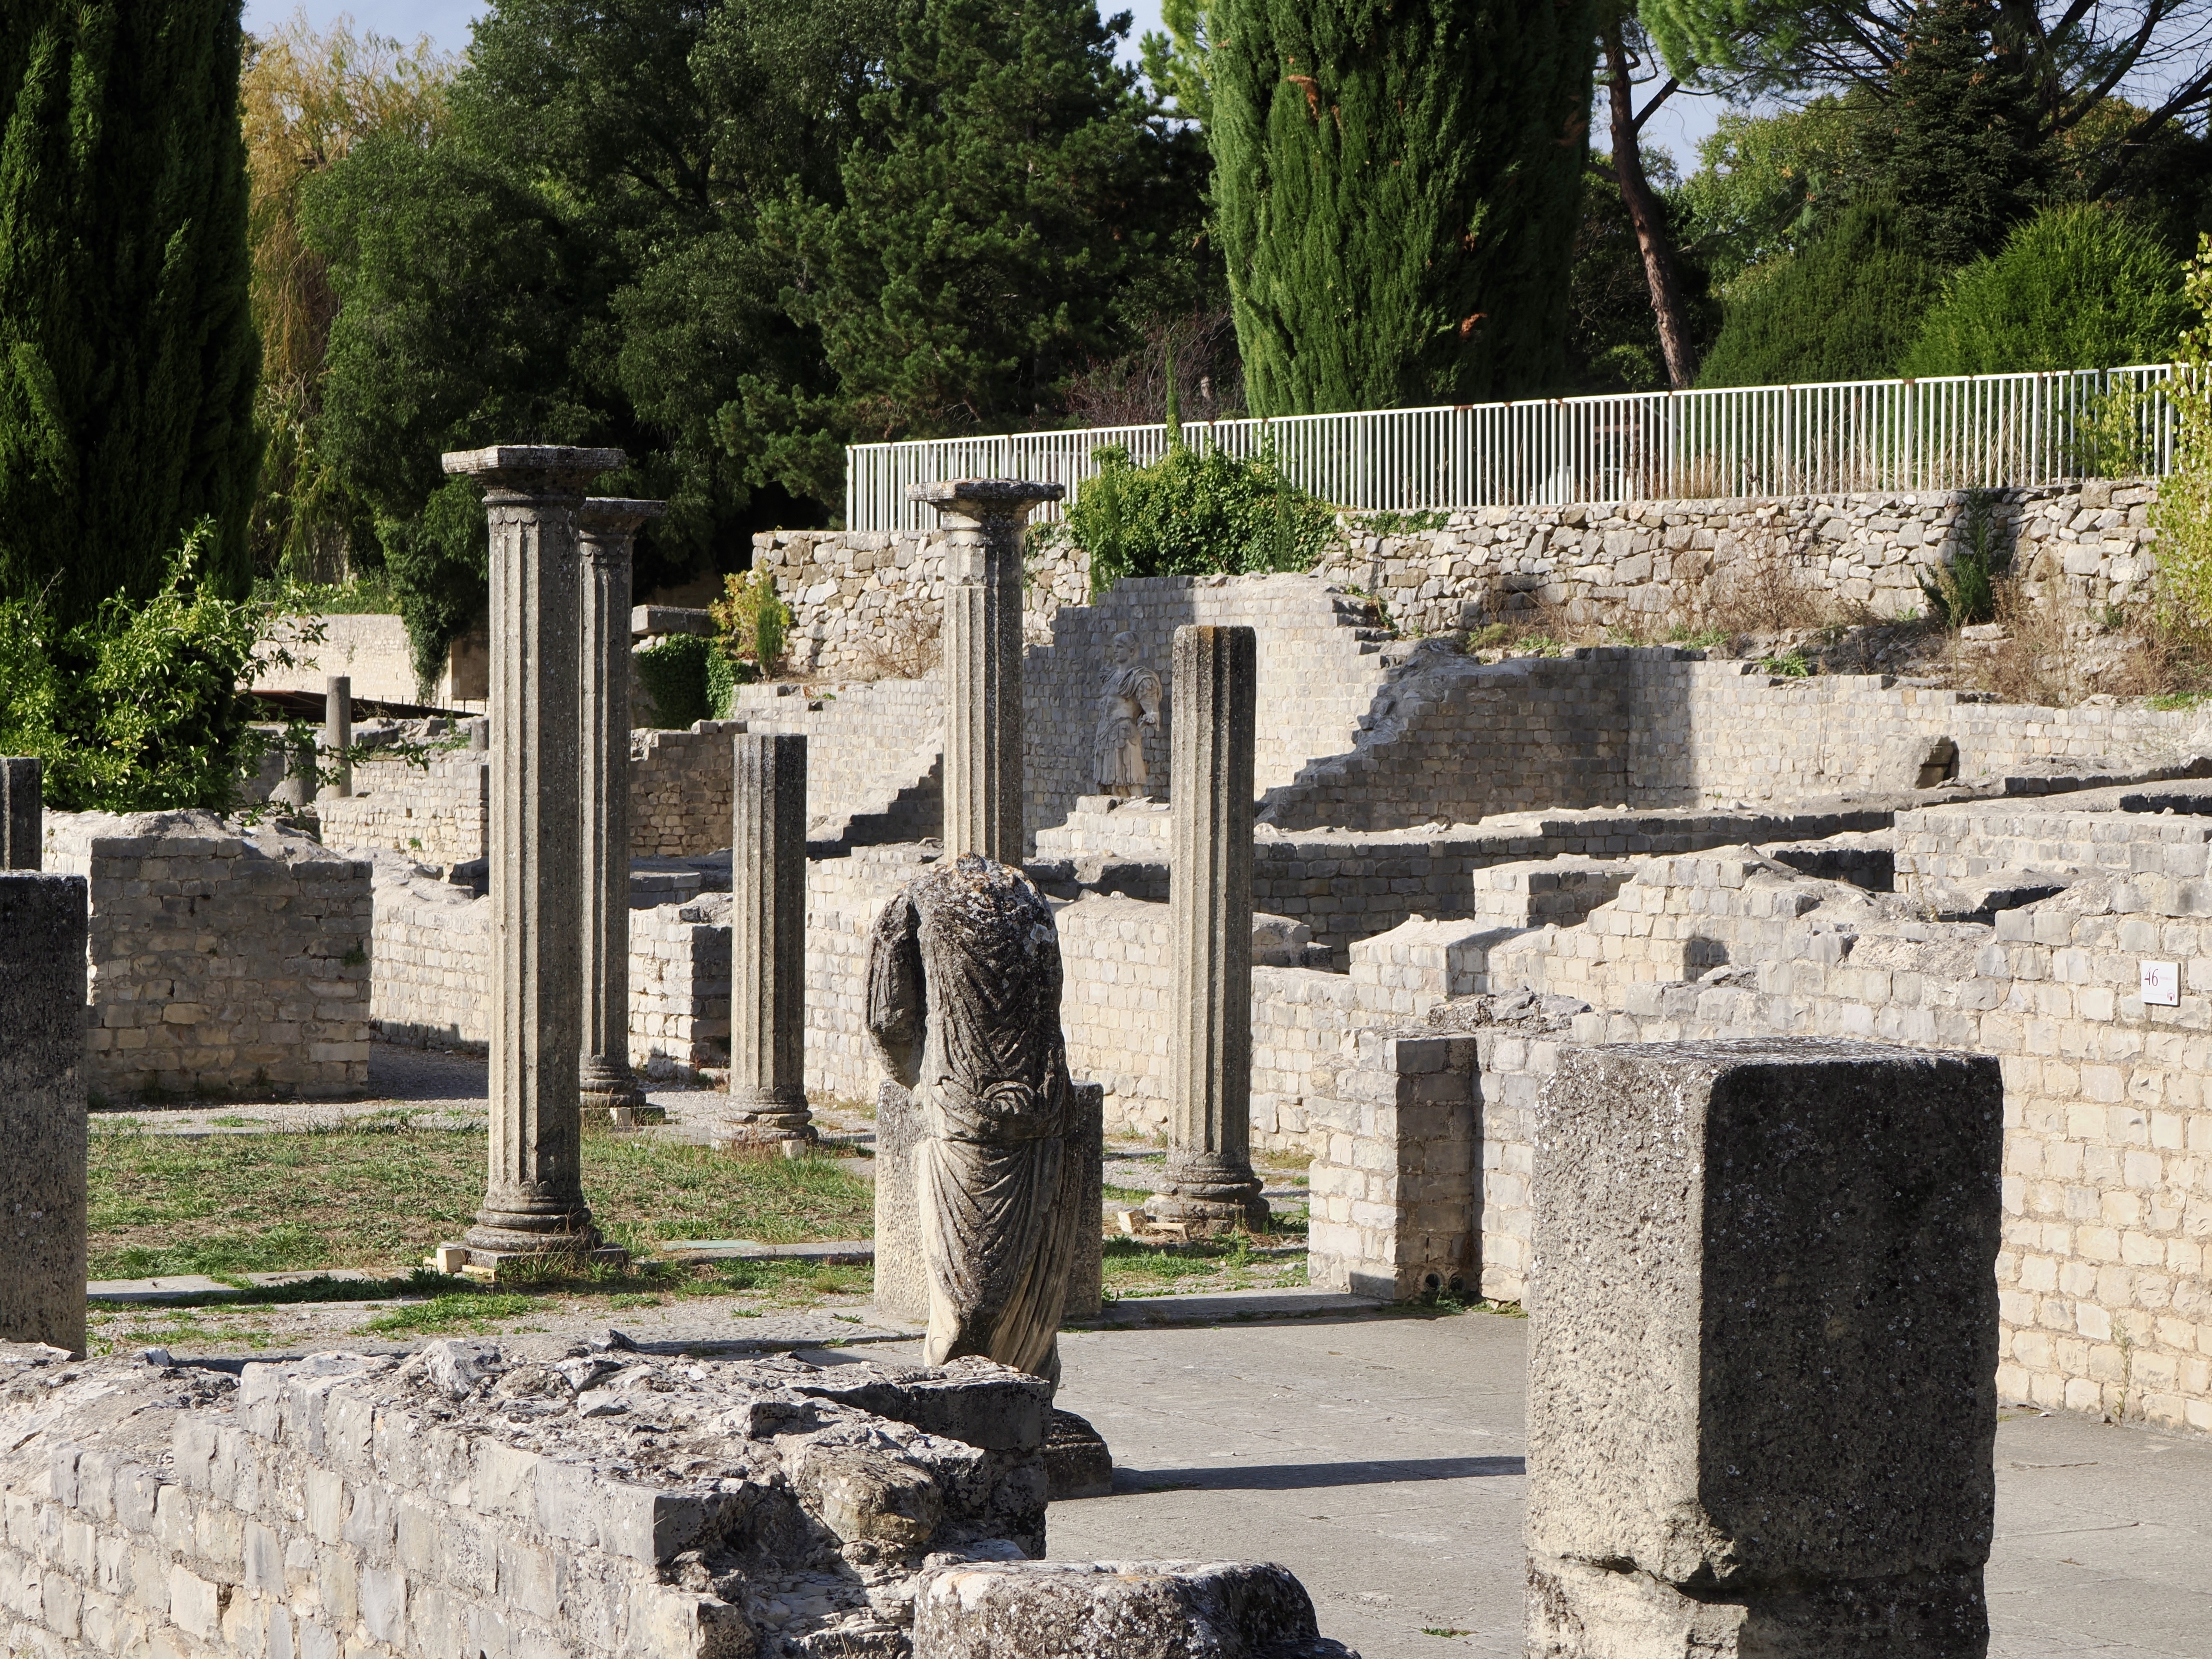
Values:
[(461, 1310), (379, 1196), (1133, 1268)]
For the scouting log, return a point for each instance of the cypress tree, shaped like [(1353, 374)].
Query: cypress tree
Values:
[(1397, 185), (128, 357)]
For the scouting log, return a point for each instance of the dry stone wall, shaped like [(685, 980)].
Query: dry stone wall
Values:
[(219, 961), (438, 814)]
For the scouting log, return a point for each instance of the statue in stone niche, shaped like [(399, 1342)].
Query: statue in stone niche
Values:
[(963, 1004), (1129, 703)]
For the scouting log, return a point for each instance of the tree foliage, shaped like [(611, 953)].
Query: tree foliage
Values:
[(1197, 511), (2182, 515), (1396, 190), (1846, 308), (2076, 287), (128, 361)]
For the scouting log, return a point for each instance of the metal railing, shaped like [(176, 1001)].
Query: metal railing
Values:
[(1970, 432)]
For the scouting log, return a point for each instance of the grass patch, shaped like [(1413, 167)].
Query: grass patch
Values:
[(1138, 1269), (379, 1195), (469, 1310)]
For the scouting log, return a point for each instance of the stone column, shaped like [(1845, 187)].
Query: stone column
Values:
[(1209, 1168), (1763, 1346), (983, 660), (22, 812), (42, 1056), (337, 731), (767, 937), (534, 1198), (609, 530)]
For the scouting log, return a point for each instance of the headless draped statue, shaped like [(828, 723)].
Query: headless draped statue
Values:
[(963, 1005), (1129, 703)]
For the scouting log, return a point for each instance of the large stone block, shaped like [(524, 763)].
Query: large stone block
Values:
[(1081, 1610), (1762, 1350), (42, 1050)]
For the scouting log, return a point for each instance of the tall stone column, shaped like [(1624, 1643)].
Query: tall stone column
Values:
[(1209, 1168), (337, 731), (767, 937), (984, 658), (42, 1078), (608, 527), (23, 811), (1762, 1318), (534, 1197)]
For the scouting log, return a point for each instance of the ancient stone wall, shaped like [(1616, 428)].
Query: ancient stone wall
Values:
[(219, 961), (1646, 565), (438, 814), (680, 790), (872, 749)]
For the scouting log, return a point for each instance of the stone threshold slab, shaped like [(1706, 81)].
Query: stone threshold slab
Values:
[(1232, 1307), (174, 1286), (834, 1253)]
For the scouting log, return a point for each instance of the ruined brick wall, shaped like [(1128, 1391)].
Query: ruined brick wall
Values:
[(219, 961), (438, 814)]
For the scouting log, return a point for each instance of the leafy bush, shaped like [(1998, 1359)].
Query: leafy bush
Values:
[(750, 621), (138, 709), (1193, 514), (2075, 287), (1847, 307), (2183, 514), (1965, 590), (675, 676)]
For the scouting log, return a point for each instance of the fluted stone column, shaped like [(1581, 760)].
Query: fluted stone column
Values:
[(608, 529), (23, 811), (768, 938), (534, 1198), (1209, 1167), (984, 658), (337, 731)]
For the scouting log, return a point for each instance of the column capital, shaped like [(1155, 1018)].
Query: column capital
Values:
[(534, 471), (979, 499), (606, 519)]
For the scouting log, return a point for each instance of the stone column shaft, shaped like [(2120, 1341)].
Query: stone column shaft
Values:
[(1209, 1165), (337, 731), (983, 794), (768, 936), (608, 527), (534, 1198), (42, 1081), (22, 812)]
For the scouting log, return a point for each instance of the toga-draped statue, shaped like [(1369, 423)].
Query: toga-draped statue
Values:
[(963, 1004), (1128, 703)]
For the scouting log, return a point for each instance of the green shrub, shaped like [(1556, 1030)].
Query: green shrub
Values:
[(675, 676), (137, 709), (1965, 590), (2075, 287), (750, 621), (1846, 308), (2182, 516), (1193, 514)]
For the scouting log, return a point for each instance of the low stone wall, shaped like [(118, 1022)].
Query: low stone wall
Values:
[(437, 814), (680, 790), (1646, 565), (371, 649), (219, 962), (874, 752)]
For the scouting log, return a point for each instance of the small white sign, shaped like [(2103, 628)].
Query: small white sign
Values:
[(2161, 984)]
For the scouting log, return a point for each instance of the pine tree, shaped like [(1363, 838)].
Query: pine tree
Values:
[(128, 357), (1958, 150), (1397, 185)]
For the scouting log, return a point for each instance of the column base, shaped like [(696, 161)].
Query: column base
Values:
[(555, 1230), (495, 1267), (610, 1084), (1210, 1200), (755, 1116)]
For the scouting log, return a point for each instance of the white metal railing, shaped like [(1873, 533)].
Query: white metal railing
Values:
[(1970, 432)]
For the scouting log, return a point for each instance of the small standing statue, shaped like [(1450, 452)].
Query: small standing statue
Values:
[(1128, 704), (963, 1004)]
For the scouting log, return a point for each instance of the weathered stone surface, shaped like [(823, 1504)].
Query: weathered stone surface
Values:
[(42, 1052), (1116, 1610), (1764, 1334), (1077, 1463), (606, 532), (23, 811), (534, 1198), (982, 643), (767, 937), (338, 733), (1209, 1164), (516, 1498), (963, 1005), (1129, 703)]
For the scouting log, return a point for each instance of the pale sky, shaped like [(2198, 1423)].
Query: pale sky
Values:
[(1678, 126)]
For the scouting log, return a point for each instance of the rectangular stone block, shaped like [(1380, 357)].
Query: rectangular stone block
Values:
[(42, 1128), (1762, 1350)]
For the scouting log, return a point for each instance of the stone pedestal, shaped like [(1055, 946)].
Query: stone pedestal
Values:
[(982, 644), (767, 940), (1209, 1164), (42, 1085), (338, 732), (534, 1199), (22, 812), (1762, 1348), (607, 528)]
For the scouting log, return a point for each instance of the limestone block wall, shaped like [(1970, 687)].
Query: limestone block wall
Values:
[(437, 814), (1647, 564), (218, 960), (680, 790), (2106, 831), (872, 748), (372, 650)]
